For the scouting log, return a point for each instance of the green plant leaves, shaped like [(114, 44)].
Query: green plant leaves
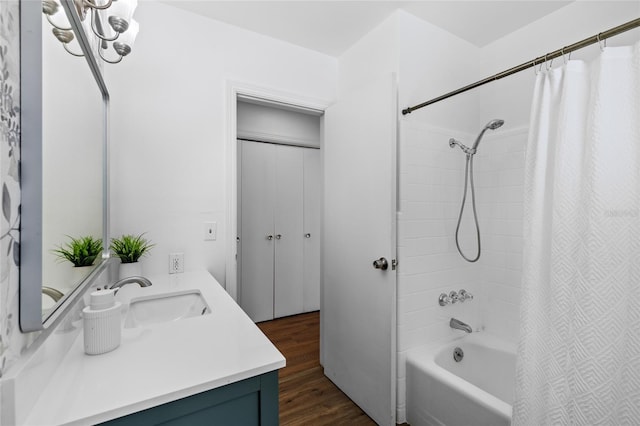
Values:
[(80, 251), (130, 248)]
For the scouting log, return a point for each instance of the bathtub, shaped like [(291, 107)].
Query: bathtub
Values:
[(476, 391)]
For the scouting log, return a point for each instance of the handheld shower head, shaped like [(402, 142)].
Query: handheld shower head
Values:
[(493, 124), (468, 179)]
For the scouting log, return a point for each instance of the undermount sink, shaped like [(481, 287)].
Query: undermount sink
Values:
[(165, 307)]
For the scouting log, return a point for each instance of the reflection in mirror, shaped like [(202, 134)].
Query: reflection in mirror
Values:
[(72, 163)]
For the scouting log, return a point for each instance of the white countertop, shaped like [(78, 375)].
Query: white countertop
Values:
[(159, 363)]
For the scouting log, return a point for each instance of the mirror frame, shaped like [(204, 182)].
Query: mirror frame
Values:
[(30, 292)]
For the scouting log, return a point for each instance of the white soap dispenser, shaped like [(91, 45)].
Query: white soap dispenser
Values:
[(102, 332)]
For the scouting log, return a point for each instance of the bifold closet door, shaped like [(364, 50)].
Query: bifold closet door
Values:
[(257, 238), (311, 252), (289, 231)]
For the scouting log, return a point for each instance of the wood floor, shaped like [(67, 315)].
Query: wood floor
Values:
[(307, 397)]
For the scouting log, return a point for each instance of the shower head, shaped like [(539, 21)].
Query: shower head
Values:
[(493, 124)]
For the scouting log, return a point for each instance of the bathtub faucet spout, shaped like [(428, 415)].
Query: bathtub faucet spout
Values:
[(459, 325)]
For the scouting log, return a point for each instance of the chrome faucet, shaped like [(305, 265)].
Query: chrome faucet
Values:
[(141, 281), (52, 293), (459, 325)]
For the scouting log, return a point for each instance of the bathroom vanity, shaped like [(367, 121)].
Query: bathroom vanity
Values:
[(212, 367)]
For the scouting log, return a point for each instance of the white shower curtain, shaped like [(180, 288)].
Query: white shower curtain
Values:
[(579, 349)]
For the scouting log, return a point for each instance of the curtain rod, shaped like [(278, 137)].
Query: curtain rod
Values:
[(600, 37)]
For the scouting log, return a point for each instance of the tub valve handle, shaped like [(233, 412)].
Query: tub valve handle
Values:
[(444, 299), (464, 295)]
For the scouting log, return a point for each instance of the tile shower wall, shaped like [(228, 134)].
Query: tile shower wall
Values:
[(499, 173), (431, 178)]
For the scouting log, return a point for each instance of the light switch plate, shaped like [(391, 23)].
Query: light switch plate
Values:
[(210, 231)]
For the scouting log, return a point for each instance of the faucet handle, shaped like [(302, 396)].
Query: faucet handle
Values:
[(454, 297), (444, 299), (464, 295)]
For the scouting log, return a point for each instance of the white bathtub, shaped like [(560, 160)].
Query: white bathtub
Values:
[(476, 391)]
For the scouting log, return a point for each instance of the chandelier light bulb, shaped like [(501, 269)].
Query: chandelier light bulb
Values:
[(128, 38)]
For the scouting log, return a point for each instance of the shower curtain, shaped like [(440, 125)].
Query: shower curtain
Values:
[(579, 348)]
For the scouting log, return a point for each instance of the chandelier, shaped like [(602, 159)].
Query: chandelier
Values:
[(114, 41)]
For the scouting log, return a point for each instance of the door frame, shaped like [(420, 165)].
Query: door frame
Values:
[(237, 89)]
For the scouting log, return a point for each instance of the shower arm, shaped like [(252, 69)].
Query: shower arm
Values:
[(469, 151)]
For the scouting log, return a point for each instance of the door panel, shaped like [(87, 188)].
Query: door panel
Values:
[(311, 230), (257, 209), (288, 282), (359, 212)]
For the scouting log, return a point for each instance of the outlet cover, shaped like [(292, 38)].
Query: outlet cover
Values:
[(176, 263), (210, 230)]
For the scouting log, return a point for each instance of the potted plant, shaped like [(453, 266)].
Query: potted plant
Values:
[(130, 248), (80, 251)]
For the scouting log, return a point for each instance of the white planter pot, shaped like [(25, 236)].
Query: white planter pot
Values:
[(130, 270), (76, 274)]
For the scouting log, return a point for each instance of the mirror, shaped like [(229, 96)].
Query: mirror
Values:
[(64, 168), (72, 125)]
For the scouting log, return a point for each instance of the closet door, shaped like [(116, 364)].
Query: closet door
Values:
[(257, 238), (311, 251), (289, 234)]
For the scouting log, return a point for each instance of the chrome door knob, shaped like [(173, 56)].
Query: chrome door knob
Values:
[(278, 236), (269, 237), (381, 264), (307, 235)]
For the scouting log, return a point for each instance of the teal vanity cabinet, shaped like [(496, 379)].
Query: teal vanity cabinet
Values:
[(252, 401)]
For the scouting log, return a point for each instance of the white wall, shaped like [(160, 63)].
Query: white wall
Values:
[(432, 62), (169, 118), (373, 55)]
